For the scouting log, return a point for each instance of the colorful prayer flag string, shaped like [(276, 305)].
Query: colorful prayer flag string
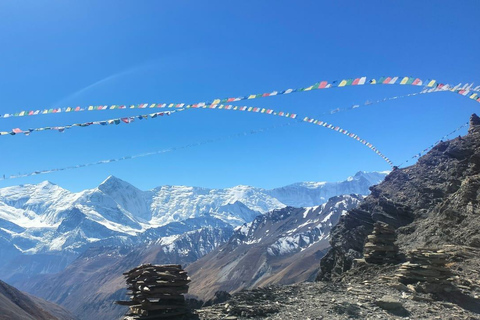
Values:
[(88, 124), (465, 90)]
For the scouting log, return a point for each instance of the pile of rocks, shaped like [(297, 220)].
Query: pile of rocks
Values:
[(381, 247), (426, 267), (156, 292)]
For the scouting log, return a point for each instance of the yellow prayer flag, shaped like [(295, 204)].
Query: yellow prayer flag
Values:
[(343, 83), (431, 83), (252, 96), (404, 80), (90, 108), (308, 89)]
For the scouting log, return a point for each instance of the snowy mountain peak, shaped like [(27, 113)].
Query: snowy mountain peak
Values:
[(47, 184), (372, 177), (114, 183)]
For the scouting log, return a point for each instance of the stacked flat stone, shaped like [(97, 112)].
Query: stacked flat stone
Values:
[(426, 268), (380, 247), (156, 292)]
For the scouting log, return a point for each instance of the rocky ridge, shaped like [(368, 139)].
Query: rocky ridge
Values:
[(283, 246), (17, 305), (431, 203)]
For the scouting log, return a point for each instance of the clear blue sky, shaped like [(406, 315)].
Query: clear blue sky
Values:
[(191, 51)]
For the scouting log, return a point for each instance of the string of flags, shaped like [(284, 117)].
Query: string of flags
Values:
[(429, 86), (212, 106), (418, 155), (191, 145), (116, 121), (464, 90), (156, 114), (368, 102)]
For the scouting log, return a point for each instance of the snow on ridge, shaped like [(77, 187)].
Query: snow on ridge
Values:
[(117, 207)]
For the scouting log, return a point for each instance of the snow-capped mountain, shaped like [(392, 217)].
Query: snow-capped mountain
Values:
[(45, 219), (280, 246)]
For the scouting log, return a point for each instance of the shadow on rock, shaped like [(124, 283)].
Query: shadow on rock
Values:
[(462, 300), (392, 306)]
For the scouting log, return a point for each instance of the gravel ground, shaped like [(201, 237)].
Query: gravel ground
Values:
[(363, 293)]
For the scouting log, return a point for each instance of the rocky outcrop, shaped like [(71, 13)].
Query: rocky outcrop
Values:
[(433, 202)]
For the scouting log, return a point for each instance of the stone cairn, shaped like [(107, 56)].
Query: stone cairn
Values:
[(156, 292), (380, 247), (426, 267)]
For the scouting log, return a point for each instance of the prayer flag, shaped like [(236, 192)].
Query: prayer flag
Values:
[(417, 82), (394, 79), (322, 84)]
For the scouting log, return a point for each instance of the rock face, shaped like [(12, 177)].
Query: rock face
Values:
[(433, 202)]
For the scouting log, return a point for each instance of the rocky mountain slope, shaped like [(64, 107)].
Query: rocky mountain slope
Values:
[(282, 246), (16, 305), (434, 202), (433, 209)]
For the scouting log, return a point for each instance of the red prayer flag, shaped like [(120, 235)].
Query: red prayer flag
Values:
[(322, 84)]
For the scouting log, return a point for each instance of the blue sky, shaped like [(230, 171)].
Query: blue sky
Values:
[(80, 53)]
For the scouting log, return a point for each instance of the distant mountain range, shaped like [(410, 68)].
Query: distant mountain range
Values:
[(55, 243), (44, 227)]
